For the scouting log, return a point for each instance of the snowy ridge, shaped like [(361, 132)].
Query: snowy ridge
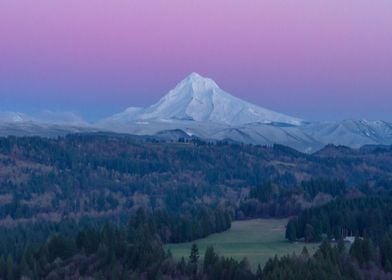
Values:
[(13, 117), (43, 117)]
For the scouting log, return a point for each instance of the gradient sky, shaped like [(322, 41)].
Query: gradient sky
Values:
[(316, 59)]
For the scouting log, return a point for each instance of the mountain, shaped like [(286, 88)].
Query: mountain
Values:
[(200, 99), (13, 117), (41, 129), (43, 117), (351, 133), (198, 107), (45, 123)]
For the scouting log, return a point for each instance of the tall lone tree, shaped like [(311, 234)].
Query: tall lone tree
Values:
[(194, 256), (193, 259)]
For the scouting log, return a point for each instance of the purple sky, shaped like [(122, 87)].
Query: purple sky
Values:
[(315, 59)]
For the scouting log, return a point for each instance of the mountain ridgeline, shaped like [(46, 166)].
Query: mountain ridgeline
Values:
[(198, 107)]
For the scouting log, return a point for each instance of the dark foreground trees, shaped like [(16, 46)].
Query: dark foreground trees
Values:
[(136, 251), (368, 217), (330, 262)]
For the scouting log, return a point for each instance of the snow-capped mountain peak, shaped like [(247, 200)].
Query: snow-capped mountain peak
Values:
[(200, 99), (198, 82), (192, 87), (191, 99)]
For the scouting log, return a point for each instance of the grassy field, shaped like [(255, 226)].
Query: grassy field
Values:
[(257, 240)]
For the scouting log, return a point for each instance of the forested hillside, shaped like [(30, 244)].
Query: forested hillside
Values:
[(368, 217), (91, 203), (101, 175)]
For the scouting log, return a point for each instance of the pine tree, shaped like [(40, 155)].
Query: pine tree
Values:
[(169, 254), (341, 246), (181, 266), (305, 252), (309, 233), (193, 259), (259, 272), (210, 258), (194, 256), (291, 232)]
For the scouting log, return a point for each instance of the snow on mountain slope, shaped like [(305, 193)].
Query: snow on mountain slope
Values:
[(40, 129), (265, 134), (13, 117), (43, 117), (352, 133), (60, 118), (200, 99), (120, 119)]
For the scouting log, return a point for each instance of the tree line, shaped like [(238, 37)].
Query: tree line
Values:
[(367, 217)]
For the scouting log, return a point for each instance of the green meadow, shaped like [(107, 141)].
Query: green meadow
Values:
[(257, 240)]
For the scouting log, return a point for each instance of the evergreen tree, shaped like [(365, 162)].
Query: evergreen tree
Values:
[(194, 259), (291, 231), (362, 251), (309, 233), (194, 256), (305, 253), (210, 259), (259, 272)]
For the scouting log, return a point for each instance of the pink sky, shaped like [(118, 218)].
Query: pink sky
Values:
[(311, 58)]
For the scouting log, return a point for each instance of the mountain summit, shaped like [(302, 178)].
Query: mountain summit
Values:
[(200, 99)]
